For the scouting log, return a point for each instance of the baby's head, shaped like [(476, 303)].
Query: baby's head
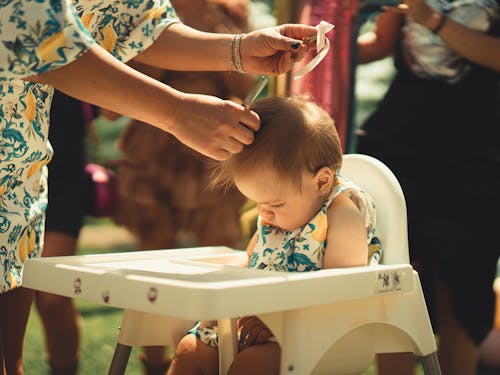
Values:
[(290, 168)]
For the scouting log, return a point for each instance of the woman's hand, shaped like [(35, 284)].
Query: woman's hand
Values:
[(253, 331), (214, 127), (274, 50), (418, 11)]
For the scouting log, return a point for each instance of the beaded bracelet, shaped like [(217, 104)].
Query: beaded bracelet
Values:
[(236, 53), (439, 26)]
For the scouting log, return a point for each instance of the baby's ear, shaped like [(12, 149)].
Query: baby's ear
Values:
[(324, 179)]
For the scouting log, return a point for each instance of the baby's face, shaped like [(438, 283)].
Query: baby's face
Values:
[(280, 202)]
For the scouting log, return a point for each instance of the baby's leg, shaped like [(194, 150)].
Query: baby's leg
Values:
[(262, 359), (193, 357)]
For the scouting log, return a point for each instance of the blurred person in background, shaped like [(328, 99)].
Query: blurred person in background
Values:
[(437, 128), (69, 196)]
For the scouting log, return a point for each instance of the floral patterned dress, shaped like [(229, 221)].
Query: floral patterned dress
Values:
[(302, 249), (38, 36)]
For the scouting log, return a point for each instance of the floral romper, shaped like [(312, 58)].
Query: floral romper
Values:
[(38, 36), (302, 249)]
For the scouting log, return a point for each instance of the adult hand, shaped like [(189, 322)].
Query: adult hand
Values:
[(418, 11), (214, 127), (253, 331), (274, 50)]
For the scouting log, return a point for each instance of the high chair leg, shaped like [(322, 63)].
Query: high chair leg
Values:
[(120, 359), (228, 343), (431, 364)]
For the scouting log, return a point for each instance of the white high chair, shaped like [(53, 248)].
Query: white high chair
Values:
[(342, 337), (339, 320)]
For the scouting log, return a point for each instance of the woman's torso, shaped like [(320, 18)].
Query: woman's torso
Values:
[(38, 37), (440, 102)]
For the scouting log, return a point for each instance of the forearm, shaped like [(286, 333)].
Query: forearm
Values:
[(368, 48), (194, 50), (380, 43), (100, 79), (209, 125), (475, 46)]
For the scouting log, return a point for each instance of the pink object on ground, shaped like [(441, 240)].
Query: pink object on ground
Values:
[(103, 192)]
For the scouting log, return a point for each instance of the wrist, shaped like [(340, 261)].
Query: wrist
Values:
[(437, 22), (236, 53), (172, 111)]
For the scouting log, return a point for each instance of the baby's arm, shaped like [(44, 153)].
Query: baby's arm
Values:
[(346, 235), (241, 260), (251, 245)]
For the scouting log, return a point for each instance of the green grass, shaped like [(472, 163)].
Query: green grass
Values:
[(100, 328)]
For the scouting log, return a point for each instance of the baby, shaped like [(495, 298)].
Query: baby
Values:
[(310, 217)]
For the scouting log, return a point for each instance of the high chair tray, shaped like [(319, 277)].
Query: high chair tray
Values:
[(193, 284)]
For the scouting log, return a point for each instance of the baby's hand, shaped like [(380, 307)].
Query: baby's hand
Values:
[(253, 331)]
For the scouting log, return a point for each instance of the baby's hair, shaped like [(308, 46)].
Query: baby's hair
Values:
[(296, 135)]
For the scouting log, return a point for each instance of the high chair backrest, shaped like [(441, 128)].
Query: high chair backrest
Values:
[(378, 180)]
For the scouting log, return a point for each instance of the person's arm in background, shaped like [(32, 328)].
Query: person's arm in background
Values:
[(381, 41), (475, 46)]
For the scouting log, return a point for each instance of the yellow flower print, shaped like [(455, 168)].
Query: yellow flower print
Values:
[(154, 13), (3, 188), (23, 246), (87, 19), (372, 249), (30, 110), (12, 280), (31, 242), (109, 38), (35, 168), (48, 49), (320, 227)]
